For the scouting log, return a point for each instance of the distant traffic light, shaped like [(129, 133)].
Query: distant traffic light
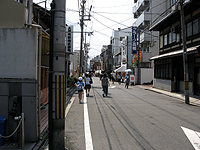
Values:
[(69, 39)]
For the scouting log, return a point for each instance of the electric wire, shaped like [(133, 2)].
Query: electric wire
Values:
[(115, 6), (99, 13), (110, 19)]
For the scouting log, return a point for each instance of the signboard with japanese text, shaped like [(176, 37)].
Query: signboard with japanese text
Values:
[(134, 40), (123, 54)]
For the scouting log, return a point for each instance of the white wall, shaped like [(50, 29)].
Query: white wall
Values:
[(18, 53), (146, 75)]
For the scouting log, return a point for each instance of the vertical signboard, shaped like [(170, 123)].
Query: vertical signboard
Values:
[(69, 39), (124, 51), (134, 40)]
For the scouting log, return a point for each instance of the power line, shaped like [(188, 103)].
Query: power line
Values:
[(110, 19), (115, 6), (103, 24), (112, 13), (117, 23)]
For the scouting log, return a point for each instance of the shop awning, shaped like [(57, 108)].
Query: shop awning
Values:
[(120, 69), (175, 53)]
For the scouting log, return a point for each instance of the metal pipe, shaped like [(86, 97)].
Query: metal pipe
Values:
[(22, 129), (30, 8), (45, 31)]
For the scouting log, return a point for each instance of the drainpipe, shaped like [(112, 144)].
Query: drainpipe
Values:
[(30, 8), (39, 70)]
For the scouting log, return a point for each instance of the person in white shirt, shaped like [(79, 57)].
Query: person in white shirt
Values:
[(87, 85)]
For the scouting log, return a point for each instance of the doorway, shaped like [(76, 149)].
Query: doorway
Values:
[(197, 81)]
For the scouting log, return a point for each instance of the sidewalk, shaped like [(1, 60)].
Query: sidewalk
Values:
[(194, 99)]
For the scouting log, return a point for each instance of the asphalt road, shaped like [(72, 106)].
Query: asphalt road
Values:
[(129, 119)]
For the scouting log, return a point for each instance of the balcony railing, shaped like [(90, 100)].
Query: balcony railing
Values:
[(145, 37), (143, 20), (141, 5)]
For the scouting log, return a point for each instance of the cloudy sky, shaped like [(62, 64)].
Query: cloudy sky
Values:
[(106, 16)]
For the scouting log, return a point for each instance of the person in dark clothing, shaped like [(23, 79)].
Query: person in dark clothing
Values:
[(105, 83), (127, 78)]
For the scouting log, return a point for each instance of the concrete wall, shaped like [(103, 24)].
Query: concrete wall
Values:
[(182, 87), (167, 85), (12, 14), (162, 84), (18, 79), (18, 53), (146, 75)]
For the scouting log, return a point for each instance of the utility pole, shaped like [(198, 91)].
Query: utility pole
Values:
[(185, 61), (57, 90), (82, 24), (81, 46), (138, 67)]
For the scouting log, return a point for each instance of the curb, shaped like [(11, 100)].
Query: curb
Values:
[(194, 100)]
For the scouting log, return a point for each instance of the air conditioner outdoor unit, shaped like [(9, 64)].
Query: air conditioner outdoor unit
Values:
[(174, 8)]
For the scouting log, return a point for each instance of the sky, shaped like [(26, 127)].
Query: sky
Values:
[(106, 16)]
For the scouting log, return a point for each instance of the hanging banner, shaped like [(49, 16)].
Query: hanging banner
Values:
[(136, 56), (124, 53), (134, 40)]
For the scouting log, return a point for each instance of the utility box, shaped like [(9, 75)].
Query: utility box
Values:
[(2, 128)]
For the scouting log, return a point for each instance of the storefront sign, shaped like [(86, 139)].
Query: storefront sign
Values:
[(134, 40)]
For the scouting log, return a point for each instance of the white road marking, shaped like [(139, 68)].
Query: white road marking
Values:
[(193, 136), (88, 137), (112, 87)]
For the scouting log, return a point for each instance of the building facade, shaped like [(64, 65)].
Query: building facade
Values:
[(146, 12), (24, 65), (169, 70), (117, 37), (95, 63)]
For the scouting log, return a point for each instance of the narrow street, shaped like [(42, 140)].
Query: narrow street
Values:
[(129, 119)]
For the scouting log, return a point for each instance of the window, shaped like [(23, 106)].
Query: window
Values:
[(170, 38), (173, 37), (172, 2), (161, 41), (189, 29), (165, 39), (163, 68), (147, 49), (195, 26)]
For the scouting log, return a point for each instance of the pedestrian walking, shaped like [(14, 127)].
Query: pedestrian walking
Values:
[(91, 81), (105, 83), (113, 77), (87, 85), (119, 78), (80, 87), (127, 80)]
